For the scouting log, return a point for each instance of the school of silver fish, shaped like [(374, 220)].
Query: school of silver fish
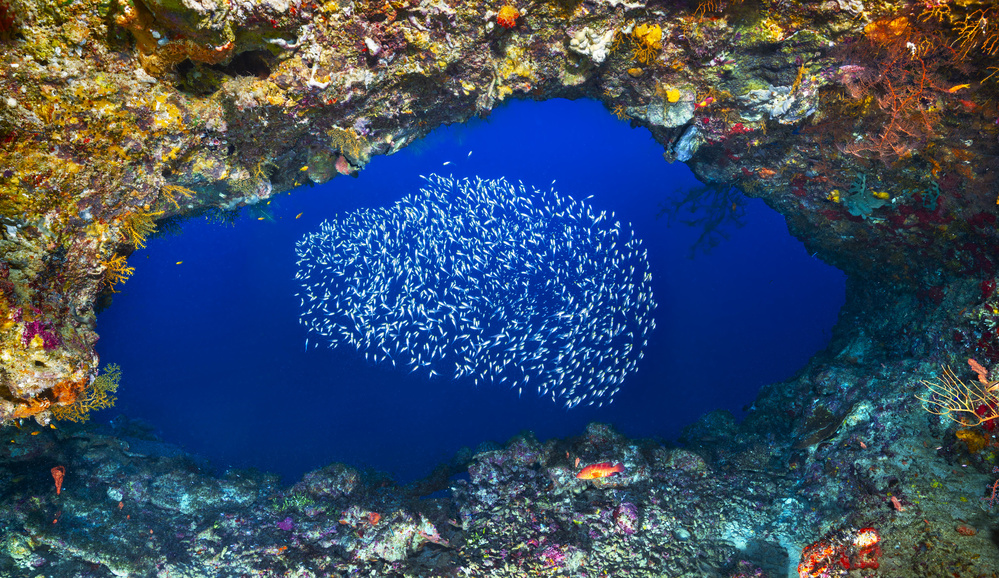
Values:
[(484, 280)]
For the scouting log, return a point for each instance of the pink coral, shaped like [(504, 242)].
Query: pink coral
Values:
[(49, 338), (626, 518), (343, 166), (553, 556)]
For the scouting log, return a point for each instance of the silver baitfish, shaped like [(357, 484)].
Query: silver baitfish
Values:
[(488, 281)]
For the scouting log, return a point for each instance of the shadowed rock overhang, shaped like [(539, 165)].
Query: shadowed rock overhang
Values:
[(870, 126)]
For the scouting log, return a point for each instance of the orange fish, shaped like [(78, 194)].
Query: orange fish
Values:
[(601, 470), (705, 102), (57, 474), (968, 104)]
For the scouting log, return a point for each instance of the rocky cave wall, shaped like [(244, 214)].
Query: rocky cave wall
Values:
[(870, 126)]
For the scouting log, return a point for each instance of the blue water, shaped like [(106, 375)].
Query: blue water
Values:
[(213, 355)]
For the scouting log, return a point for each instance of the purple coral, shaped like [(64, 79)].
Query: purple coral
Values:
[(553, 556), (49, 338), (626, 518), (287, 524), (362, 126)]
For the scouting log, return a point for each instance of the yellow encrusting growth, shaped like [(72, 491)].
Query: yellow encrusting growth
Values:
[(97, 396), (648, 40)]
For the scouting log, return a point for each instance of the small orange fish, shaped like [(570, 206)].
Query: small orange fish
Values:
[(967, 104), (601, 470)]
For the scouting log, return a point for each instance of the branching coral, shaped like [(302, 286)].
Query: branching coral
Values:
[(347, 142), (974, 29), (967, 403), (97, 396), (706, 6), (263, 170), (116, 270), (137, 226), (904, 73), (170, 192), (647, 41), (980, 29)]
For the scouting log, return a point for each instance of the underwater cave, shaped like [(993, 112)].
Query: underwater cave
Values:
[(788, 291), (742, 304)]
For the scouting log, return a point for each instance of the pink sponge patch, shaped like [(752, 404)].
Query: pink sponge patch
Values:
[(49, 338)]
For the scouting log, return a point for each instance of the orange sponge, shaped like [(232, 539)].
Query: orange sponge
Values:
[(507, 17)]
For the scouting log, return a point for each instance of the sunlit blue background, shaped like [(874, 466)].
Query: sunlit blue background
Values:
[(212, 353)]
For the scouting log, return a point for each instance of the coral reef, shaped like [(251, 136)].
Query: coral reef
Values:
[(741, 503), (116, 115), (120, 113)]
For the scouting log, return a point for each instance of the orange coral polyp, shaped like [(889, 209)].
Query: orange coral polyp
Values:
[(507, 17)]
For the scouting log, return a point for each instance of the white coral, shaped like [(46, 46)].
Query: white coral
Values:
[(592, 44)]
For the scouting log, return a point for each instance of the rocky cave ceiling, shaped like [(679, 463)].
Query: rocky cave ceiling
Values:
[(871, 126)]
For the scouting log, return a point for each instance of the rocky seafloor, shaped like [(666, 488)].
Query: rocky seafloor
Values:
[(870, 126), (841, 451)]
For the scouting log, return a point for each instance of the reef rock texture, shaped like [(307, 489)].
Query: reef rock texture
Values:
[(78, 502), (871, 126)]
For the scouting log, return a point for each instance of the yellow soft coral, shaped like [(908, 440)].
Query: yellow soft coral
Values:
[(967, 403), (648, 40), (137, 226), (97, 396), (116, 270)]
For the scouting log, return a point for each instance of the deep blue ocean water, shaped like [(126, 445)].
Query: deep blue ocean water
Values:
[(213, 356)]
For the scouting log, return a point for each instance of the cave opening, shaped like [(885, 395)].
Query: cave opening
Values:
[(213, 356)]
